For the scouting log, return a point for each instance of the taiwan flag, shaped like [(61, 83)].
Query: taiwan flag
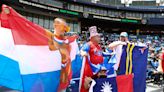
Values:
[(123, 83)]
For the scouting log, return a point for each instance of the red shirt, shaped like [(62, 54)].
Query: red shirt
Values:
[(163, 61), (95, 53)]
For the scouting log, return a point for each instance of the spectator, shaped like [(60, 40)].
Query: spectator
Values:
[(116, 46)]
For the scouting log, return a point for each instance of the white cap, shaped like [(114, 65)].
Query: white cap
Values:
[(124, 34)]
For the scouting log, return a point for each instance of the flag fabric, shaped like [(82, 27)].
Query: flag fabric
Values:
[(33, 70), (132, 71), (86, 71), (10, 73), (26, 45), (76, 66), (125, 83), (26, 62), (121, 83), (134, 61), (89, 69), (105, 85), (110, 66), (76, 60)]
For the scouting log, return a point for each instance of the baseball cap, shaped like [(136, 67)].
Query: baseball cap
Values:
[(124, 34)]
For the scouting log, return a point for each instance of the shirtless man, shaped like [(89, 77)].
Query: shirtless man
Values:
[(57, 41)]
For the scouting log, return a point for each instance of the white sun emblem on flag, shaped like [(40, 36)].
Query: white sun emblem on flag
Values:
[(106, 87)]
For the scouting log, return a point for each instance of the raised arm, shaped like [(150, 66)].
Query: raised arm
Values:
[(113, 45)]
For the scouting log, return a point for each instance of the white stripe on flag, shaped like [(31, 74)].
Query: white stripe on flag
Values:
[(7, 44), (38, 59), (31, 59), (74, 50), (82, 72)]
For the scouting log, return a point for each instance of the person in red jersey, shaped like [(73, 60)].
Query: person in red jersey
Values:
[(93, 55)]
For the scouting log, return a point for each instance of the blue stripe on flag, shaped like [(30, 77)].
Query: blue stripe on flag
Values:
[(139, 69), (10, 73), (139, 62), (41, 82), (76, 66)]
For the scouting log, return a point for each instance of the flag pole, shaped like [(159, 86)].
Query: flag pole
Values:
[(82, 72)]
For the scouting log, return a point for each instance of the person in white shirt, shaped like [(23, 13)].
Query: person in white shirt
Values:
[(116, 46)]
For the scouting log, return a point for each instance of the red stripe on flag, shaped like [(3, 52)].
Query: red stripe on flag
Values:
[(87, 72), (24, 31), (125, 83)]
